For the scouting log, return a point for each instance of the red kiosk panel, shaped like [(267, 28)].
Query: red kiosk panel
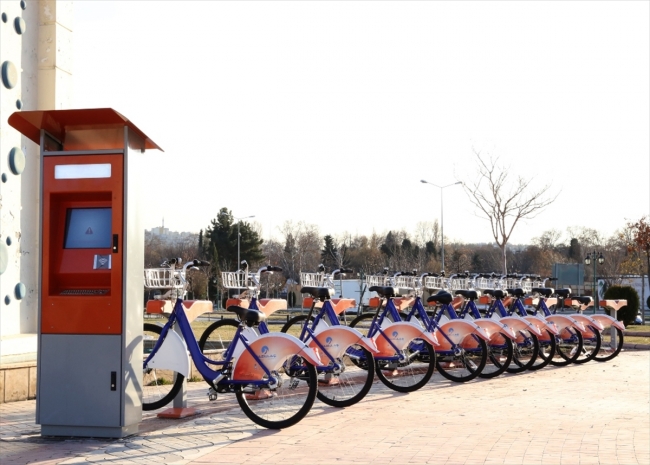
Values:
[(82, 250)]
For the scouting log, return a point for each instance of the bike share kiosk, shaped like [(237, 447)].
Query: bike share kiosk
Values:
[(91, 285)]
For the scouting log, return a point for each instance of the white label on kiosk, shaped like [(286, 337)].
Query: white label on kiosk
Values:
[(99, 170)]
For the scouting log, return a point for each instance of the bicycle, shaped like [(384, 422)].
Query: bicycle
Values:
[(341, 383), (253, 367), (406, 359)]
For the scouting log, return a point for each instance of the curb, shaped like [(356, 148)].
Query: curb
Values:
[(636, 346)]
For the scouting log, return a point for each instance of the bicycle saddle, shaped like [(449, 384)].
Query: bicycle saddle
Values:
[(250, 316), (442, 297), (564, 293), (517, 292), (496, 293), (384, 291), (544, 291), (322, 293), (471, 295), (583, 299)]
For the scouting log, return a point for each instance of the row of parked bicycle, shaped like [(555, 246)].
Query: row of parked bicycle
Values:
[(463, 333)]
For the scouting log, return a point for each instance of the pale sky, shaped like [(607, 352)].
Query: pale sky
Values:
[(332, 112)]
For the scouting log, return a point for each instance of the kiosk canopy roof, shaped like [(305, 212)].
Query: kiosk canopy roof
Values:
[(58, 122)]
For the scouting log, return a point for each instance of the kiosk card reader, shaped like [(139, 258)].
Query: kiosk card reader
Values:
[(92, 259)]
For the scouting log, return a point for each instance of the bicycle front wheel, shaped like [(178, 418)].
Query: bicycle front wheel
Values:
[(216, 339), (412, 372), (286, 402), (159, 387)]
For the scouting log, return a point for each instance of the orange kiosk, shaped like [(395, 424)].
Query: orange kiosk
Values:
[(91, 281)]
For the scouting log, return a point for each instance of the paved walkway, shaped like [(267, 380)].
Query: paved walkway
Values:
[(596, 413)]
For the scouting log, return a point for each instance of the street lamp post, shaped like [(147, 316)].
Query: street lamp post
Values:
[(239, 236), (595, 258), (442, 228)]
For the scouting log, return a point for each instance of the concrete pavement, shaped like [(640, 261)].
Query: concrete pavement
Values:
[(596, 413)]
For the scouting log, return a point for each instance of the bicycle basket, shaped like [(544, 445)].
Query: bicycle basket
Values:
[(377, 280), (234, 279), (405, 282), (435, 282), (162, 278), (312, 279)]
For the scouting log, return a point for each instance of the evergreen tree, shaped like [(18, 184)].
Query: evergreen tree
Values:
[(330, 254), (222, 234)]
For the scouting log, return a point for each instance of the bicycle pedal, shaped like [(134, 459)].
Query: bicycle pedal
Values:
[(293, 384), (212, 394)]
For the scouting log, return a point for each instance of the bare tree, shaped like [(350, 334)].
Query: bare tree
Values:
[(504, 202)]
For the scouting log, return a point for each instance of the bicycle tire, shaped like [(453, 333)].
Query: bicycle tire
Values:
[(607, 352), (459, 367), (545, 353), (499, 358), (159, 386), (590, 346), (411, 375), (217, 337), (525, 353), (362, 324), (567, 349), (347, 387), (286, 405)]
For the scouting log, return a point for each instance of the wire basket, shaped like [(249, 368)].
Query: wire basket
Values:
[(312, 279), (486, 283), (162, 278), (234, 279), (406, 282), (377, 280), (456, 284), (435, 282)]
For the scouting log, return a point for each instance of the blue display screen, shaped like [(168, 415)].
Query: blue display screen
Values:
[(88, 228)]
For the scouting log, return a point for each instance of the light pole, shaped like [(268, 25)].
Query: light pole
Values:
[(595, 258), (239, 235), (442, 229)]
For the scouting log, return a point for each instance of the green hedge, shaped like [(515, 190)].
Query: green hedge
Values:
[(628, 313)]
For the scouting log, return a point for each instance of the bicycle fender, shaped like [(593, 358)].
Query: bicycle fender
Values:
[(457, 331), (272, 350), (588, 323), (172, 355), (401, 333), (541, 323), (607, 320), (495, 329), (519, 324), (563, 322), (336, 340)]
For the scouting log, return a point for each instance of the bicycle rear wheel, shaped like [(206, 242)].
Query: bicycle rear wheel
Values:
[(608, 347), (568, 348), (463, 364), (545, 352), (284, 404), (416, 369), (498, 359), (590, 346), (159, 387), (526, 349), (347, 385)]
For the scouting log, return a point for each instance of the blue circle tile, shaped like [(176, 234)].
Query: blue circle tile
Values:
[(7, 300), (8, 241), (4, 177), (19, 25), (19, 104), (16, 160), (20, 291), (23, 4), (9, 75), (4, 17)]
